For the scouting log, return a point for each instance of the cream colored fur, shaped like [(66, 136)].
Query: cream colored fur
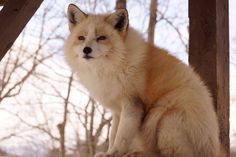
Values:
[(160, 106)]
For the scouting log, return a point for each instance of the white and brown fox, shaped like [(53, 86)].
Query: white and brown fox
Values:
[(160, 106)]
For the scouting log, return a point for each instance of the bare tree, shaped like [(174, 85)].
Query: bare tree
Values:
[(152, 21), (62, 125), (93, 142), (23, 61), (55, 98), (120, 4)]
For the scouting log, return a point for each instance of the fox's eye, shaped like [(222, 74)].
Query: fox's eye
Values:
[(81, 38), (101, 38)]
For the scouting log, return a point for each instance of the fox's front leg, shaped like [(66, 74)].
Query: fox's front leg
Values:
[(129, 124), (114, 128)]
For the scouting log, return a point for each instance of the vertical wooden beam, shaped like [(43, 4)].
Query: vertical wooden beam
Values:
[(2, 2), (209, 54), (13, 18)]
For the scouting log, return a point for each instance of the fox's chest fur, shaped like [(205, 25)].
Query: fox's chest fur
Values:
[(112, 86), (105, 88)]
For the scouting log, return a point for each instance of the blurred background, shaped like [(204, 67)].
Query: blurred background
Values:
[(45, 112)]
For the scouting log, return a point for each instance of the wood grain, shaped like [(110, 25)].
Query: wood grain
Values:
[(209, 54), (13, 18)]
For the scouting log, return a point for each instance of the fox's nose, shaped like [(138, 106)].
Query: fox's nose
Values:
[(87, 50)]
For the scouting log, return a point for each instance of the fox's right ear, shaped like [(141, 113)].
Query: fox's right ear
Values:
[(75, 16), (119, 20)]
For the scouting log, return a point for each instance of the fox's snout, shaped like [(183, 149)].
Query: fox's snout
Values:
[(87, 50)]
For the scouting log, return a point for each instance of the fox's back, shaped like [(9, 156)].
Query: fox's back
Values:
[(174, 91)]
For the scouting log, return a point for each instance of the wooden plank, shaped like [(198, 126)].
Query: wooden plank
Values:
[(209, 54), (13, 18), (2, 2)]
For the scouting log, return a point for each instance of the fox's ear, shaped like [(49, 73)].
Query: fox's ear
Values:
[(119, 19), (75, 15)]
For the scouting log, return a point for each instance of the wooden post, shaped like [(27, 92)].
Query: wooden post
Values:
[(209, 54), (2, 2), (13, 18)]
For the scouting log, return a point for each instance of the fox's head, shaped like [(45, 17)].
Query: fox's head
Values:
[(95, 37)]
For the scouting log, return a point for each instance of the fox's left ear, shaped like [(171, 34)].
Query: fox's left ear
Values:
[(119, 20), (75, 15)]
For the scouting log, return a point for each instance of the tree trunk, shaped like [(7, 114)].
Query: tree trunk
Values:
[(120, 4), (62, 126), (152, 21), (91, 128)]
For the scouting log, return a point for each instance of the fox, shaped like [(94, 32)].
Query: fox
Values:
[(160, 106)]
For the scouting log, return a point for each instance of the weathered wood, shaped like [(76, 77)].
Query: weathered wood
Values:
[(2, 2), (13, 18), (209, 54)]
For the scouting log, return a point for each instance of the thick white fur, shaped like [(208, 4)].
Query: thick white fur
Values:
[(175, 117)]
